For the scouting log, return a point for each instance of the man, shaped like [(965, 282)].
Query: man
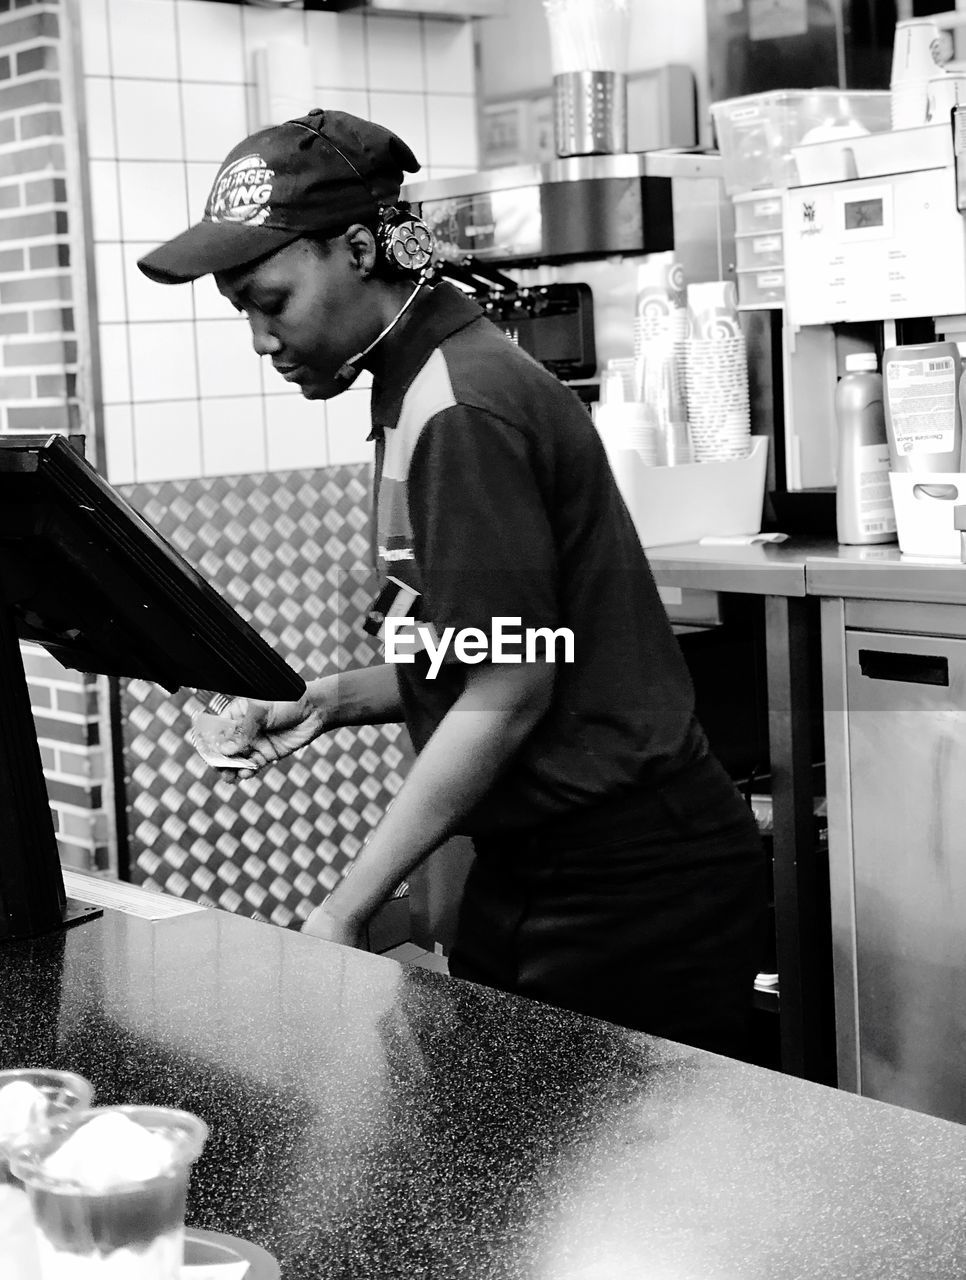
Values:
[(618, 872)]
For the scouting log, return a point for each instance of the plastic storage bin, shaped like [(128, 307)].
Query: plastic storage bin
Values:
[(761, 288), (757, 211), (698, 500), (924, 503), (905, 150), (874, 155), (759, 251), (756, 133), (832, 161)]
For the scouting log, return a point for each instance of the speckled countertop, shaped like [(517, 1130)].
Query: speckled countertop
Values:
[(373, 1122)]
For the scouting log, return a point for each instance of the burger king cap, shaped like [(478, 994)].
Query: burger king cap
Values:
[(312, 176)]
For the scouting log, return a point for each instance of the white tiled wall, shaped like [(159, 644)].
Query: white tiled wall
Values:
[(183, 391)]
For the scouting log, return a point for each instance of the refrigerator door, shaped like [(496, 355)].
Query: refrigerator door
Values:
[(907, 745)]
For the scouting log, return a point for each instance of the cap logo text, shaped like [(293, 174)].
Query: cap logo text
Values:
[(242, 192)]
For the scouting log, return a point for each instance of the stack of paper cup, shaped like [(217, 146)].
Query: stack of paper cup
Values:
[(661, 313), (944, 91), (915, 58), (661, 298), (719, 420)]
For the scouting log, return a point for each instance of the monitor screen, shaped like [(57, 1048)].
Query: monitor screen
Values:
[(89, 579)]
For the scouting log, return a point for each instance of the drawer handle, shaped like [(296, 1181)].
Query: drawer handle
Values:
[(910, 668)]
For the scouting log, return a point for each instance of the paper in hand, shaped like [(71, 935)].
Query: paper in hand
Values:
[(208, 729)]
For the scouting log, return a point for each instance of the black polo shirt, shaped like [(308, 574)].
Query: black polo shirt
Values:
[(495, 499)]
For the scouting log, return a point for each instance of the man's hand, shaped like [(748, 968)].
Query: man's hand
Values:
[(262, 732), (322, 924)]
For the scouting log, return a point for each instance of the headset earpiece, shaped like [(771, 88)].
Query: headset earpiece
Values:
[(405, 242)]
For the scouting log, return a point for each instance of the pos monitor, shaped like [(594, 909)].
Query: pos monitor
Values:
[(83, 575)]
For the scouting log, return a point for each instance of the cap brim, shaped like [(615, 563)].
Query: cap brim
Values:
[(212, 246)]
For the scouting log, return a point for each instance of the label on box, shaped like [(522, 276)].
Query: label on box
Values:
[(742, 115), (766, 244), (876, 513), (766, 208), (922, 404)]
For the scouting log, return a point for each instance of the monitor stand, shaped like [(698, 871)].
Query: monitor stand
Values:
[(32, 898)]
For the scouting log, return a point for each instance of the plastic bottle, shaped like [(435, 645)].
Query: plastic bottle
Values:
[(923, 417), (863, 500)]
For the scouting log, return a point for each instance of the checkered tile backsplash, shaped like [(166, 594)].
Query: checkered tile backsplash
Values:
[(290, 551)]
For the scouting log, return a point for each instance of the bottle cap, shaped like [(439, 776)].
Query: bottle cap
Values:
[(861, 362)]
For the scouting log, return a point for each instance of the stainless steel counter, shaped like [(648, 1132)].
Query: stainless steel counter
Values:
[(777, 573), (902, 613), (762, 569), (810, 566), (883, 573)]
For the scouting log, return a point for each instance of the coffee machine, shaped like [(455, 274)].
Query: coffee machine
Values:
[(875, 256)]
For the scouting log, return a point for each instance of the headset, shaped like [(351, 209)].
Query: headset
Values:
[(404, 251), (404, 243)]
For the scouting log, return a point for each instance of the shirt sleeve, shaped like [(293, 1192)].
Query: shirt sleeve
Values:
[(482, 533)]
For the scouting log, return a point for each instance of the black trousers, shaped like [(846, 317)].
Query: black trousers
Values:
[(647, 911)]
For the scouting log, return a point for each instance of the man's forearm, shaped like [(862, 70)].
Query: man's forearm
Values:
[(459, 764), (367, 695)]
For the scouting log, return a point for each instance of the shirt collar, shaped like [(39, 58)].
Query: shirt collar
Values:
[(440, 312)]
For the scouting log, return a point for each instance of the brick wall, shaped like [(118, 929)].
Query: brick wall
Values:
[(70, 714), (40, 298), (183, 393), (87, 101), (38, 389)]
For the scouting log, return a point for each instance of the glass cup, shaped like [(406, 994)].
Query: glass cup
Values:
[(119, 1228), (63, 1092)]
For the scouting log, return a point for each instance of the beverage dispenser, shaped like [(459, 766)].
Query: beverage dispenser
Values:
[(556, 245)]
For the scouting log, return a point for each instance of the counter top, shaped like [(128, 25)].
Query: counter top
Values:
[(810, 566), (764, 568), (393, 1124), (884, 573)]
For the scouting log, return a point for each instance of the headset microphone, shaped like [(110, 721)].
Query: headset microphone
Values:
[(348, 372)]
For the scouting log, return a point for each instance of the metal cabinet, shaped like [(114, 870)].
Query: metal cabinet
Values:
[(896, 732)]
